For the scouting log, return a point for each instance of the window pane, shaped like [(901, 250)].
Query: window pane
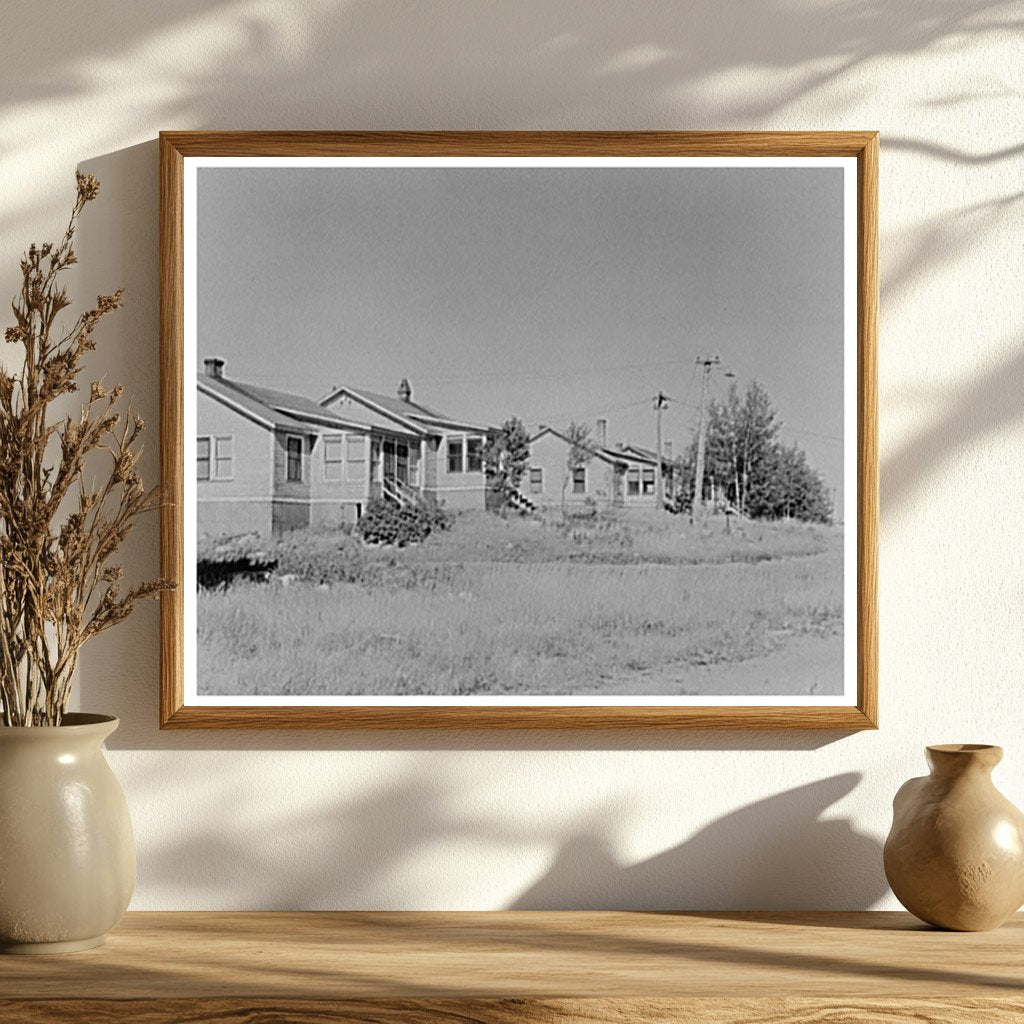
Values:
[(356, 448), (223, 459), (633, 481), (648, 480), (334, 456), (536, 480), (203, 459), (294, 459), (454, 455), (475, 454), (355, 455), (579, 481)]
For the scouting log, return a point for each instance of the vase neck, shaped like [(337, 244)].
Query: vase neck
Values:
[(952, 760)]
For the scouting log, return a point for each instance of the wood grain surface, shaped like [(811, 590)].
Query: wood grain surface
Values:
[(516, 1011), (175, 147), (526, 954)]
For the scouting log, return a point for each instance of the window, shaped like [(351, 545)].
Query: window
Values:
[(648, 479), (215, 457), (293, 447), (633, 480), (536, 480), (203, 459), (355, 454), (454, 454), (579, 480), (475, 454), (223, 457), (334, 456)]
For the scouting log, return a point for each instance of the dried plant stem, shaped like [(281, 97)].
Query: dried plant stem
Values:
[(58, 587)]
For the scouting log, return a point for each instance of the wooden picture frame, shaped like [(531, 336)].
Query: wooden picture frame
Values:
[(178, 149)]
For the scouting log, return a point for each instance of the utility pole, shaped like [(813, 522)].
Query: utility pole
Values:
[(660, 403), (698, 477)]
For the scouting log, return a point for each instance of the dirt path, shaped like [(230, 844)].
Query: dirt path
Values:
[(805, 666)]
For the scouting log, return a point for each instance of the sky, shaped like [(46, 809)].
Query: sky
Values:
[(552, 294)]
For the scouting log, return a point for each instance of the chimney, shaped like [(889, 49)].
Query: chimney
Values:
[(405, 390), (214, 367), (602, 433)]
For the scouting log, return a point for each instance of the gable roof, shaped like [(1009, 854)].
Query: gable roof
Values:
[(398, 406), (259, 412), (296, 406), (380, 404), (637, 453), (276, 410), (604, 454), (410, 414)]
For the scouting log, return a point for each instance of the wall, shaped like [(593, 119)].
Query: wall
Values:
[(630, 820), (251, 483)]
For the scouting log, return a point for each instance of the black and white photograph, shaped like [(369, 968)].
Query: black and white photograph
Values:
[(544, 431)]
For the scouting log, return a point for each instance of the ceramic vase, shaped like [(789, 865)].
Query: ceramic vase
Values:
[(67, 855), (955, 855)]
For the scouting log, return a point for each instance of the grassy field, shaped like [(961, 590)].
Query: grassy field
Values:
[(516, 606)]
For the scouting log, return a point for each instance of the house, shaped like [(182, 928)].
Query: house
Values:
[(638, 483), (269, 461), (623, 476)]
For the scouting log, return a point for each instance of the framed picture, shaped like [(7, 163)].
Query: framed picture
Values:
[(536, 430)]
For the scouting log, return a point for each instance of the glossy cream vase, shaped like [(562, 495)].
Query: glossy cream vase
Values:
[(955, 855), (67, 856)]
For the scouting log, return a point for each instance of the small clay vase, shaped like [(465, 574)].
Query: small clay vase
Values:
[(67, 858), (955, 854)]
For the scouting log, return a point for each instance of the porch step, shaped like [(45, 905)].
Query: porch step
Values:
[(400, 493), (520, 502)]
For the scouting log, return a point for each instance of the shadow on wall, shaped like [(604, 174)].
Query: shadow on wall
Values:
[(308, 60), (405, 844), (367, 64), (776, 854), (967, 418)]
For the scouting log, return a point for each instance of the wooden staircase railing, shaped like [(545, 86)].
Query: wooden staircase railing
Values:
[(400, 493), (520, 502)]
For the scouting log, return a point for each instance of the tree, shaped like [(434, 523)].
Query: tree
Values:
[(757, 440), (739, 454), (802, 493), (506, 456), (580, 453), (751, 470)]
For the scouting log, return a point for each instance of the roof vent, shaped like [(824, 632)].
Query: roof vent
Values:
[(405, 390), (214, 367)]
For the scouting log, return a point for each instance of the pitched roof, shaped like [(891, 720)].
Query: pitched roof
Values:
[(604, 454), (410, 413), (636, 453), (399, 406), (296, 406), (275, 409), (253, 408)]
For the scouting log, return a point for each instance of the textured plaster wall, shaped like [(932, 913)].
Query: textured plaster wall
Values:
[(462, 821)]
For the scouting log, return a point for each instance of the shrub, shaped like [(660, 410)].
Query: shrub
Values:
[(320, 557), (383, 522), (221, 561)]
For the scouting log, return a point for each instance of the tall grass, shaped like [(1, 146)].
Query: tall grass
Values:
[(513, 607)]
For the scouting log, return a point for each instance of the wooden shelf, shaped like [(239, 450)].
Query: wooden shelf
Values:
[(500, 968)]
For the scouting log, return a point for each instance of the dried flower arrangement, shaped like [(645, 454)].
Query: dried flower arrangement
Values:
[(58, 587)]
